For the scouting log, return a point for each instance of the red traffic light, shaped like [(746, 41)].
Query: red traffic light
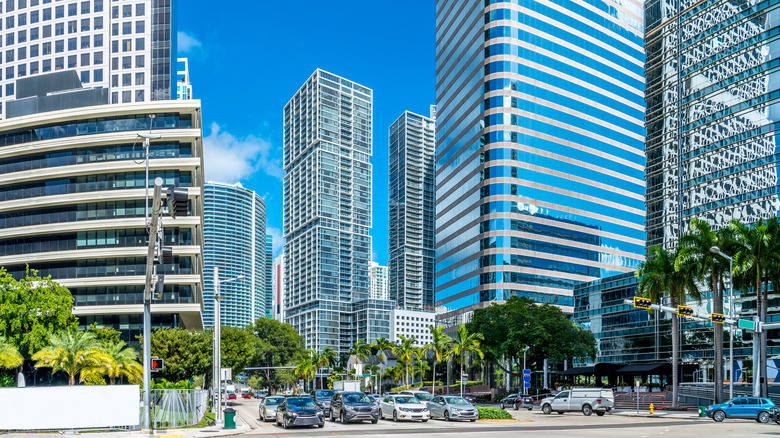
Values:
[(157, 365)]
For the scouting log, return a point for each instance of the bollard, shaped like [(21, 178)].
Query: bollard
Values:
[(651, 408)]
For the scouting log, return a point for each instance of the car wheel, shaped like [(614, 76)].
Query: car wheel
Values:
[(531, 408), (502, 405), (343, 418), (560, 412), (472, 420), (600, 414), (332, 418), (277, 422), (381, 414), (374, 421), (587, 410), (321, 425), (395, 416), (547, 409), (763, 417), (446, 416), (286, 425), (516, 406), (718, 416)]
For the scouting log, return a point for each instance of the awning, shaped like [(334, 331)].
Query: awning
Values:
[(650, 368), (579, 371)]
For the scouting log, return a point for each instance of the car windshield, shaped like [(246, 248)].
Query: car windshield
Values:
[(456, 401), (405, 400), (356, 398), (423, 396), (305, 403), (324, 394), (273, 400)]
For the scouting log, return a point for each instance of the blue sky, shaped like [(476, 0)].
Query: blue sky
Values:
[(247, 61)]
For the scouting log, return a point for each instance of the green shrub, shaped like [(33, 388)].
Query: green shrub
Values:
[(468, 384), (416, 385), (493, 413)]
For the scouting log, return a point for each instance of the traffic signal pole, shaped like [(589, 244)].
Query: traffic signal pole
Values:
[(147, 346)]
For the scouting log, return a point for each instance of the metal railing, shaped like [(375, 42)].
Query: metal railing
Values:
[(172, 408)]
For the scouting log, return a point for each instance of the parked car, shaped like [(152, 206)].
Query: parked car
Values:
[(586, 400), (268, 407), (471, 398), (353, 406), (323, 397), (517, 401), (260, 394), (403, 407), (422, 396), (299, 411), (452, 407), (756, 408), (774, 413), (374, 399), (508, 400), (231, 396)]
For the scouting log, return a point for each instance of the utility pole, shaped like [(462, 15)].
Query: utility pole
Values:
[(148, 295)]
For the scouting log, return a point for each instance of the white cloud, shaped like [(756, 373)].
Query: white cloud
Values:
[(187, 43), (278, 239), (229, 159)]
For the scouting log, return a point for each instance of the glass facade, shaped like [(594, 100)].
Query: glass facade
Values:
[(267, 299), (540, 149), (235, 242), (412, 210), (712, 114), (327, 208)]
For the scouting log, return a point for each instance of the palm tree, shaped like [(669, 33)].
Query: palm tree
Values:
[(383, 346), (403, 351), (441, 348), (325, 359), (372, 369), (419, 354), (396, 372), (705, 266), (659, 277), (466, 343), (9, 355), (306, 366), (73, 352), (360, 350), (122, 363)]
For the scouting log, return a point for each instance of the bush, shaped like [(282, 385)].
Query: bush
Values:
[(416, 385), (483, 398), (493, 413), (468, 384)]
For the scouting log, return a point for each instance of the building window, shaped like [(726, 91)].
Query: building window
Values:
[(71, 44), (114, 97), (98, 75), (72, 26), (22, 53), (127, 45), (114, 80), (84, 59), (85, 7), (114, 11), (127, 62), (126, 81), (98, 40), (139, 10), (46, 14), (59, 11), (97, 58), (139, 61), (9, 39), (47, 31), (59, 46), (33, 34), (34, 67), (85, 77), (22, 19), (139, 44), (127, 96), (59, 28), (71, 61), (98, 6), (127, 28), (9, 89), (114, 46), (114, 29), (33, 53), (85, 42), (22, 36), (127, 11), (98, 23), (139, 78), (46, 66), (72, 10), (84, 24), (115, 63), (9, 22), (9, 73), (140, 26), (139, 95), (59, 63), (46, 48), (34, 17)]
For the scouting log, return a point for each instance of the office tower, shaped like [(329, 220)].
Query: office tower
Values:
[(710, 129), (412, 211), (327, 208), (183, 85), (412, 323), (234, 233), (278, 289), (540, 149), (124, 46), (72, 204), (378, 276), (269, 267)]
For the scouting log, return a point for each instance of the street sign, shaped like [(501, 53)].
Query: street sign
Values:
[(366, 375), (526, 376), (465, 381), (747, 324), (526, 372), (527, 385), (226, 374)]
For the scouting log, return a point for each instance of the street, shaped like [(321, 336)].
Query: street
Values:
[(618, 425)]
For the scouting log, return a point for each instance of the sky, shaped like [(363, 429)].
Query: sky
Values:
[(246, 61)]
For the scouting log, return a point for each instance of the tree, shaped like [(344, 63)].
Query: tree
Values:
[(255, 382), (372, 369), (75, 353), (324, 360), (383, 346), (185, 354), (31, 309), (237, 348), (275, 344), (662, 274), (306, 365), (360, 350), (466, 343), (441, 348), (105, 334), (419, 354), (9, 355), (403, 351), (121, 362)]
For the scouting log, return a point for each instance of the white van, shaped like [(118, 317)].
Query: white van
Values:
[(587, 400)]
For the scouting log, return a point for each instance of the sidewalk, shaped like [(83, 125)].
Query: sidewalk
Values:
[(677, 415)]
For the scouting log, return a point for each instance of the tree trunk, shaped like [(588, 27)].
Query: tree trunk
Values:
[(717, 307), (675, 357), (433, 378), (762, 350), (72, 380)]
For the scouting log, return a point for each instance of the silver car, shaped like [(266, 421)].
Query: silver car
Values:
[(268, 407), (452, 407)]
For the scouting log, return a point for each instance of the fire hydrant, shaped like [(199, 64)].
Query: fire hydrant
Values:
[(652, 408)]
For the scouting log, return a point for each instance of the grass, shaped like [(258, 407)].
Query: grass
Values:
[(204, 422)]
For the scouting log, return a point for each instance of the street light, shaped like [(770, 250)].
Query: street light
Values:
[(716, 250), (217, 353)]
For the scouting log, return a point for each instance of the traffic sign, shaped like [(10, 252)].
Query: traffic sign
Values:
[(465, 381), (366, 375), (526, 372), (527, 385), (747, 324)]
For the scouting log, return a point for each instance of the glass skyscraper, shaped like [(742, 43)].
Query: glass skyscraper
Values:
[(327, 208), (235, 242), (269, 272), (412, 210), (540, 149), (712, 114)]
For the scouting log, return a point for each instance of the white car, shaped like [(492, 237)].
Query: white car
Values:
[(403, 407)]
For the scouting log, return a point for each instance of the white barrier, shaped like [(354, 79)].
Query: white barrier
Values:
[(69, 407)]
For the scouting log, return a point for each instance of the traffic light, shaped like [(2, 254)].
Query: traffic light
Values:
[(642, 303), (177, 200), (684, 311), (717, 318), (157, 364)]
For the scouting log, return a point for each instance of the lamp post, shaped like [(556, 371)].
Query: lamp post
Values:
[(716, 250), (217, 353)]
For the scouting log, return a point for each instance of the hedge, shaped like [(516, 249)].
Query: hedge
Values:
[(415, 385), (493, 413)]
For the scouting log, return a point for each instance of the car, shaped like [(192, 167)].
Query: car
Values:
[(353, 406), (299, 411), (231, 396), (586, 400), (268, 407), (374, 399), (517, 402), (471, 398), (246, 394), (508, 400), (260, 394), (323, 397), (403, 407), (452, 407), (422, 396), (756, 408)]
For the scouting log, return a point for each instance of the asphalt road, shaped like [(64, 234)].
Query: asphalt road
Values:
[(528, 423)]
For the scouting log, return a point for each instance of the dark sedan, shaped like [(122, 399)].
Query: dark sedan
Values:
[(323, 397), (299, 411)]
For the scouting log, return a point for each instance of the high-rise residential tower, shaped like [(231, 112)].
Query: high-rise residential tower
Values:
[(278, 289), (412, 211), (183, 84), (269, 267), (125, 46), (379, 281), (327, 208), (540, 149), (235, 243)]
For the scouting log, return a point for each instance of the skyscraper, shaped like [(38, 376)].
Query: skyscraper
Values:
[(269, 267), (540, 149), (125, 46), (378, 276), (711, 128), (412, 211), (327, 207), (183, 84), (278, 288), (235, 242)]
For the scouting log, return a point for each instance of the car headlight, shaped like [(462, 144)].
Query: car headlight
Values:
[(292, 414), (425, 410), (403, 409), (349, 408)]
